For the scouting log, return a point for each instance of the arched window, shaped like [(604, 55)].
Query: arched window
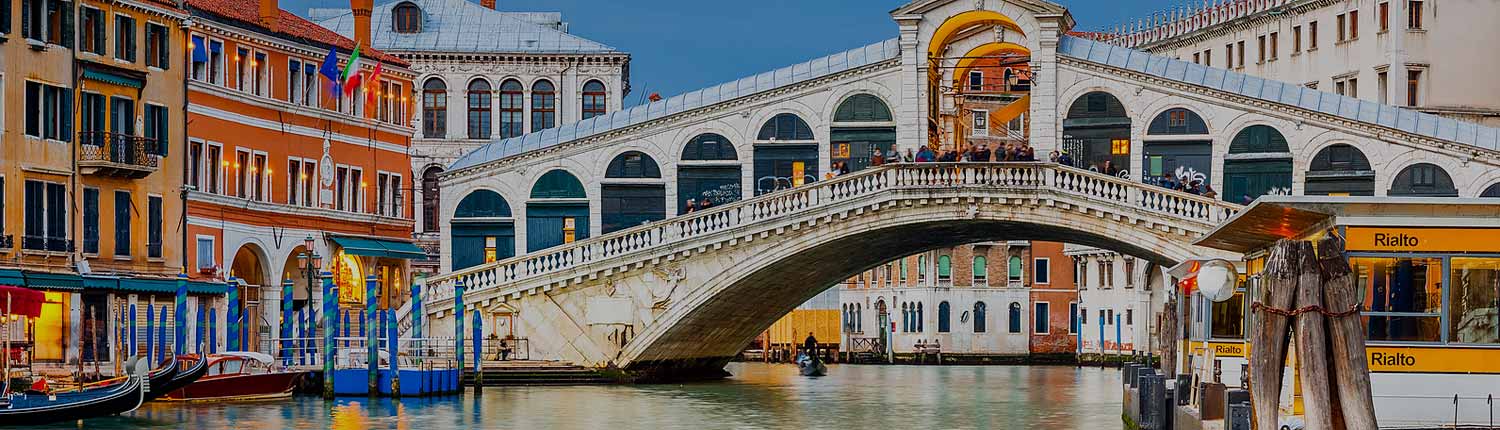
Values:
[(862, 108), (1264, 168), (479, 109), (943, 316), (945, 268), (594, 99), (479, 233), (1491, 191), (1423, 180), (1340, 169), (981, 270), (1015, 317), (1178, 121), (482, 204), (844, 317), (557, 184), (979, 326), (709, 146), (859, 315), (921, 268), (434, 109), (543, 106), (785, 126), (512, 109), (632, 164), (905, 318), (406, 18), (1015, 269), (919, 317), (904, 279), (431, 199)]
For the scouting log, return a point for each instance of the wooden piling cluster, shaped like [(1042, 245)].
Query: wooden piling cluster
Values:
[(1308, 297)]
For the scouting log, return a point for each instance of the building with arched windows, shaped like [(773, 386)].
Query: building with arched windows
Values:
[(485, 74)]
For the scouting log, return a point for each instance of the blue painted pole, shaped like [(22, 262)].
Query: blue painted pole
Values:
[(330, 301), (134, 350), (1118, 345), (458, 325), (1101, 340), (302, 336), (416, 312), (372, 334), (478, 327), (180, 346), (161, 335), (348, 326), (286, 321), (150, 335), (201, 344), (213, 330), (391, 350), (232, 314)]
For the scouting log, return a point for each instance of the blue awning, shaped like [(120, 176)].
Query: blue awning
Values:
[(12, 277), (54, 281), (379, 247)]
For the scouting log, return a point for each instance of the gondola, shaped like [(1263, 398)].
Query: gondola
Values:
[(810, 365), (195, 368), (160, 378), (123, 395)]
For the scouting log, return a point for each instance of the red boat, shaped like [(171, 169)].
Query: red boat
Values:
[(239, 376)]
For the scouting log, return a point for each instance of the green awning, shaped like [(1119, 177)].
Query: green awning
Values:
[(150, 285), (100, 283), (379, 247), (12, 277), (54, 281), (113, 78)]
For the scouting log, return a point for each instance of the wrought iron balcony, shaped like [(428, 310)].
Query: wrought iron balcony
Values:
[(117, 155)]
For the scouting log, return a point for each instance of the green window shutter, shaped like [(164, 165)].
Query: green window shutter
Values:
[(980, 267), (1015, 268), (921, 266), (945, 266)]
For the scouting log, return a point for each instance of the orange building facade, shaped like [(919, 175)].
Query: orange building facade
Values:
[(286, 176)]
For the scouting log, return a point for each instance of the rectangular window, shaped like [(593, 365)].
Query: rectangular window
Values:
[(1338, 87), (198, 53), (981, 122), (195, 165), (1040, 319), (158, 129), (1081, 274), (1353, 87), (309, 178), (1414, 15), (1260, 42), (1312, 35), (976, 80), (1129, 316), (1129, 272), (341, 188), (1382, 84), (294, 182), (381, 188), (122, 223), (1073, 318), (158, 46), (260, 175), (49, 21), (1041, 271), (49, 112), (1103, 276), (91, 29), (1239, 55), (1196, 59), (216, 62), (1273, 53), (258, 74), (125, 38), (242, 69), (1403, 297), (294, 81), (383, 99), (153, 226), (398, 102), (242, 173), (1473, 296), (1353, 24), (214, 162), (398, 205), (1296, 39), (1229, 55), (1384, 11), (1413, 87), (205, 252), (356, 190), (1339, 28), (91, 220)]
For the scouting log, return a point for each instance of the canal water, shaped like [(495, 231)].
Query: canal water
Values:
[(757, 396)]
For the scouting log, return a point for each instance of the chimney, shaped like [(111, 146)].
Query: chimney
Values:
[(487, 3), (362, 21), (270, 11)]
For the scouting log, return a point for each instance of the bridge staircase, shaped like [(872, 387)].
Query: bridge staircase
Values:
[(523, 373)]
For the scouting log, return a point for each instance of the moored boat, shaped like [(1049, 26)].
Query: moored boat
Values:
[(112, 397), (189, 369), (238, 376), (160, 378)]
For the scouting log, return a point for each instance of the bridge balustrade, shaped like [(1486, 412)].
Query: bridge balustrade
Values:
[(1021, 176)]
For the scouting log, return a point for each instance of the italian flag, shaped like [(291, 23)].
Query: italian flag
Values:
[(350, 77)]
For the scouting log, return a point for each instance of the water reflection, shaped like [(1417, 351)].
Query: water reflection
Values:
[(758, 396)]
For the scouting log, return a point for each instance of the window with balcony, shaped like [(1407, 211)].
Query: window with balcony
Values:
[(91, 30), (158, 46), (125, 38), (49, 112), (122, 223), (388, 199), (46, 215)]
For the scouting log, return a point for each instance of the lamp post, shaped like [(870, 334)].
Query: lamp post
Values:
[(310, 262)]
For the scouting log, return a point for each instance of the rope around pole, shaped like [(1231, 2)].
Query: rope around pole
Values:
[(1258, 306)]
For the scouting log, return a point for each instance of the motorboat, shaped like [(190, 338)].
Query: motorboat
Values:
[(189, 369), (810, 365), (239, 375), (104, 398)]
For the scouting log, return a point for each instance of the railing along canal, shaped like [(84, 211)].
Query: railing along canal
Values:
[(1032, 176)]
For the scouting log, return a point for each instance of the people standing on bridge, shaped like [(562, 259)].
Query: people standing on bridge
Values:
[(1053, 157), (894, 157), (981, 153), (692, 205), (1027, 152), (909, 156), (1065, 159), (948, 156), (843, 168), (878, 159)]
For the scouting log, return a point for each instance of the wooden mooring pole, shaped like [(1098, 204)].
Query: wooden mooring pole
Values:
[(1312, 342), (1346, 336), (1268, 356)]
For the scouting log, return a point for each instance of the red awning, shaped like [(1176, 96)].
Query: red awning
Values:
[(23, 301)]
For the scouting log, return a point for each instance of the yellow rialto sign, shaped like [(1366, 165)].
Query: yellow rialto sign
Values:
[(1423, 239), (1433, 360), (1223, 349)]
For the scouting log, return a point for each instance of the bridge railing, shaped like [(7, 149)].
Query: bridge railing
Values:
[(559, 260)]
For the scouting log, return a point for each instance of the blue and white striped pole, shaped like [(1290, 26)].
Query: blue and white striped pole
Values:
[(392, 349), (372, 334), (134, 348), (286, 321), (478, 352), (330, 301), (232, 313), (179, 347)]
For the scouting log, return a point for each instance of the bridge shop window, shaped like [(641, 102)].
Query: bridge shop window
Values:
[(482, 229), (1260, 163), (1423, 180), (786, 155), (1492, 191), (1340, 170), (558, 211), (1096, 133), (708, 172), (626, 201)]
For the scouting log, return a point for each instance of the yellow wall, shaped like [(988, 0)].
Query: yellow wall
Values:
[(793, 328)]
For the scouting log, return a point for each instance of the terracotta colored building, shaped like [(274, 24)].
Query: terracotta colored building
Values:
[(281, 168)]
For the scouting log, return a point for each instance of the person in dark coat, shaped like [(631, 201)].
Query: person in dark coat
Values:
[(810, 345)]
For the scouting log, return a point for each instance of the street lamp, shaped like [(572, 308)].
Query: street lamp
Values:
[(310, 263)]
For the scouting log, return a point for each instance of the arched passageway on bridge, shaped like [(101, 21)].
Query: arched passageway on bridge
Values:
[(1340, 170), (956, 28), (1423, 180), (632, 193), (483, 230), (990, 87), (1177, 147), (558, 211), (1096, 133), (1492, 191), (786, 154), (709, 171), (862, 127), (1259, 163)]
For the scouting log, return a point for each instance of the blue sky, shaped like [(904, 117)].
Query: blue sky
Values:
[(681, 45)]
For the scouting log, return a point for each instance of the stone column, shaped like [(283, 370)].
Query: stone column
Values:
[(911, 109), (1046, 128)]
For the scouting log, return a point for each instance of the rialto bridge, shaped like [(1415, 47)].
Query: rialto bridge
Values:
[(581, 235)]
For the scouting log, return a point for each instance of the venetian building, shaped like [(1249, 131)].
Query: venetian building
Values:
[(484, 75)]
